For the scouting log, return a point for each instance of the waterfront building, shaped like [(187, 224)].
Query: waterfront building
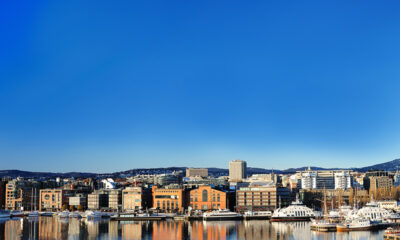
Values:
[(396, 178), (79, 201), (196, 172), (373, 183), (20, 195), (271, 178), (308, 180), (97, 201), (327, 179), (206, 198), (114, 199), (343, 180), (54, 199), (169, 199), (294, 181), (167, 179), (135, 198), (237, 170), (3, 194), (261, 198)]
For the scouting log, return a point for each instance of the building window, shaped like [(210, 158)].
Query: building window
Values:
[(218, 199), (205, 196)]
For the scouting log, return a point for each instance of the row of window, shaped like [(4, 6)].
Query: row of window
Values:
[(204, 206), (167, 205), (204, 197)]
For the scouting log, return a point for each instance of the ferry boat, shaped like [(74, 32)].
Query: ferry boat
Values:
[(296, 211), (220, 215), (257, 215), (356, 224), (380, 217)]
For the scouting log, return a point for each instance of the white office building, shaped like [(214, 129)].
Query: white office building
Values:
[(343, 180)]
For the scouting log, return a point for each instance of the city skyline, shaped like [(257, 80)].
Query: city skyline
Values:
[(105, 87)]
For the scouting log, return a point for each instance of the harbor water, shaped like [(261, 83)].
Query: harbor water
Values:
[(56, 228)]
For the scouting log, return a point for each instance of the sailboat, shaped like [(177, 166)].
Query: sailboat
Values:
[(323, 225), (33, 213)]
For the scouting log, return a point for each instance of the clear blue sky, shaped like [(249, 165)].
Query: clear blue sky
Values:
[(113, 85)]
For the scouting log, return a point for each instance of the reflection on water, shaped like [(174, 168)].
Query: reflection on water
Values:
[(55, 228)]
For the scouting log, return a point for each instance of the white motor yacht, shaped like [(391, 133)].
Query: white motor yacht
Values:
[(221, 215)]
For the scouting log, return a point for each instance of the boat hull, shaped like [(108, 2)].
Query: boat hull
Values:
[(256, 217), (222, 218), (324, 228), (155, 218), (340, 228), (290, 219)]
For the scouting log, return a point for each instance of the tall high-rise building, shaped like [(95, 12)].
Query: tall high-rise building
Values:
[(237, 170)]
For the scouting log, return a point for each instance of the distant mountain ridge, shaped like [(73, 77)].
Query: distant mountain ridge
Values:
[(387, 166), (393, 165)]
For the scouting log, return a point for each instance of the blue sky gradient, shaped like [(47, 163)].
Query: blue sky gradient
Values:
[(105, 86)]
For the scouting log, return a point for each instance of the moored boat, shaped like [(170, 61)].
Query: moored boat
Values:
[(323, 225), (47, 214), (296, 211), (360, 224), (33, 214), (257, 215), (220, 215), (74, 215), (4, 214), (137, 217), (90, 215), (63, 214), (391, 230), (17, 213)]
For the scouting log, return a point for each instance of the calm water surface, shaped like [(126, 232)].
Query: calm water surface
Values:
[(54, 228)]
